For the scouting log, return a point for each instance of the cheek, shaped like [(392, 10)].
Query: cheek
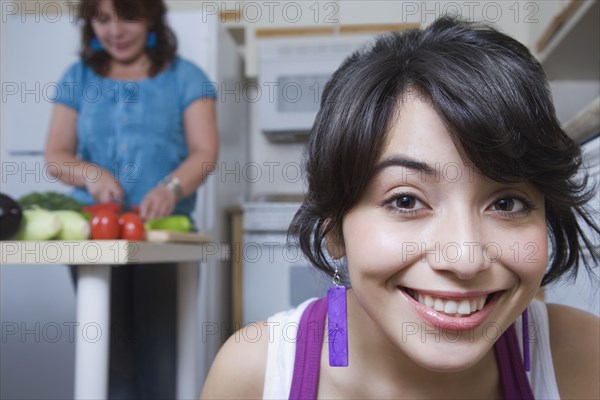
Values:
[(98, 30), (373, 248), (140, 34), (138, 30), (525, 254)]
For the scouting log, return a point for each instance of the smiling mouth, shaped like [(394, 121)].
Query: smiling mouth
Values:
[(456, 307)]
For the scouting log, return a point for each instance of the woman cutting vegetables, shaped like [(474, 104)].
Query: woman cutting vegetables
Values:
[(135, 123)]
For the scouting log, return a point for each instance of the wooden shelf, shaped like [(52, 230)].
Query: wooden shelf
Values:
[(586, 123), (570, 46), (246, 35), (235, 217)]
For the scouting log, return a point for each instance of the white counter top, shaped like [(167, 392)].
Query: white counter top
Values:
[(108, 252)]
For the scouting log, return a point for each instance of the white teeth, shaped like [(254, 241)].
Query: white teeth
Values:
[(428, 301), (451, 307), (447, 306), (438, 305), (480, 303), (473, 304), (464, 307)]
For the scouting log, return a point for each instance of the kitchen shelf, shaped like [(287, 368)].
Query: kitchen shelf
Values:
[(570, 46), (586, 123), (246, 35), (233, 22)]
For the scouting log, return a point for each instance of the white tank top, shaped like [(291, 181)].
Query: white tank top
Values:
[(283, 327)]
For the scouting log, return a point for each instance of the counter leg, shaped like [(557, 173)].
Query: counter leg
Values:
[(93, 333), (187, 304)]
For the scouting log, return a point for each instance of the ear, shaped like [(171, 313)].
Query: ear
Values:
[(334, 241)]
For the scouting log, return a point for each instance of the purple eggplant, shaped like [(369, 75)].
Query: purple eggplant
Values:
[(11, 216)]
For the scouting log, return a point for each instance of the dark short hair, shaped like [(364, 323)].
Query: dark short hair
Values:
[(153, 11), (494, 99)]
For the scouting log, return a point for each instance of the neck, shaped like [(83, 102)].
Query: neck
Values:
[(138, 68)]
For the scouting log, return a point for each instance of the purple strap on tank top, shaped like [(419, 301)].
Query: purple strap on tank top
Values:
[(515, 384), (525, 333), (309, 342)]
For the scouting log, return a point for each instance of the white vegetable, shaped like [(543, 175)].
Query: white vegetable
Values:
[(74, 225), (38, 224)]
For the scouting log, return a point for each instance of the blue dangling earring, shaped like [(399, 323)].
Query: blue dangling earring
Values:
[(95, 44), (525, 333), (337, 327), (151, 40)]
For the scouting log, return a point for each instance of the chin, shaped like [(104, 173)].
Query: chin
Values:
[(124, 58), (447, 357), (449, 366)]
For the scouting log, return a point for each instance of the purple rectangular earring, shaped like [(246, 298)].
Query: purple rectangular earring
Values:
[(337, 327)]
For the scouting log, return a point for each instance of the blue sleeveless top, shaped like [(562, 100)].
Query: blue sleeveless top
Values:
[(133, 129)]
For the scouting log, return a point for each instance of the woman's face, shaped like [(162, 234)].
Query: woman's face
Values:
[(440, 258), (123, 39)]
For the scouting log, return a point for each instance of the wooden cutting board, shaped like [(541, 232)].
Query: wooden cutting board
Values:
[(177, 237)]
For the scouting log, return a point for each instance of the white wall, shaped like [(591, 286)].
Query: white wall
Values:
[(37, 305)]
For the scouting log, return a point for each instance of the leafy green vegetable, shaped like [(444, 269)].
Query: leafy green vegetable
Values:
[(38, 224), (50, 201), (74, 226)]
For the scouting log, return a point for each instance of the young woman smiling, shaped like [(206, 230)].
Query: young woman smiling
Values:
[(438, 179)]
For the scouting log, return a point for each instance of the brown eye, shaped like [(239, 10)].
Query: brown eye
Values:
[(512, 205), (405, 204), (130, 18), (101, 20), (405, 201), (505, 205)]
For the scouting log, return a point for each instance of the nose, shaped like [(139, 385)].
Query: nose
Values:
[(116, 27), (458, 246)]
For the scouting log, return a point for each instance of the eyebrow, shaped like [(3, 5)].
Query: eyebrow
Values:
[(406, 162)]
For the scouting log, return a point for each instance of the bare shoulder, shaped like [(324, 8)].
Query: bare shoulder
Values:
[(238, 370), (575, 341)]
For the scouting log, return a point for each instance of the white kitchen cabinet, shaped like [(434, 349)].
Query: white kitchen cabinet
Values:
[(38, 303), (250, 20)]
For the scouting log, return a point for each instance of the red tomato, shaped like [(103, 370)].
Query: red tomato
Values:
[(94, 208), (105, 225), (131, 227)]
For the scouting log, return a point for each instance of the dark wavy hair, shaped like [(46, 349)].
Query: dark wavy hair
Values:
[(153, 11), (494, 99)]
